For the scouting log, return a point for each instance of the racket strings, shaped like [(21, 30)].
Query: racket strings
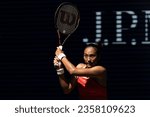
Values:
[(70, 33), (63, 26)]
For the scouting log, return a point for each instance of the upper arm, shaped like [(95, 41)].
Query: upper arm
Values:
[(97, 71)]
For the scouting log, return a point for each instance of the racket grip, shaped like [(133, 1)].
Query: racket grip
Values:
[(57, 65), (61, 47)]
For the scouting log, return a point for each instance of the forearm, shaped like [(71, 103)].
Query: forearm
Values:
[(62, 57), (60, 72), (68, 65), (64, 84)]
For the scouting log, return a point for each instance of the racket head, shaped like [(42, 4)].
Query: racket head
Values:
[(66, 18)]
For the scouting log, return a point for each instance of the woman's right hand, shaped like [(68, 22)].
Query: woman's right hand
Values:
[(57, 63)]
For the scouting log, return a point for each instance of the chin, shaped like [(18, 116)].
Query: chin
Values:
[(88, 65)]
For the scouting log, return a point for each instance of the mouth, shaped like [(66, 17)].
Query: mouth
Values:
[(89, 65)]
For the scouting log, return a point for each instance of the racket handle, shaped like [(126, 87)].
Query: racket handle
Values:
[(61, 47), (57, 65)]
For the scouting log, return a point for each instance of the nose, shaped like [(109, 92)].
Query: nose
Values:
[(88, 58)]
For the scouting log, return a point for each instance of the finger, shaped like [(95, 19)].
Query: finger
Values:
[(56, 59), (56, 65)]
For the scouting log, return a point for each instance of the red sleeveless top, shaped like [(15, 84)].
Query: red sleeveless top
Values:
[(89, 89)]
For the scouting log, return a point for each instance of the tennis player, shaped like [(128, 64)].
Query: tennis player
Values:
[(89, 77)]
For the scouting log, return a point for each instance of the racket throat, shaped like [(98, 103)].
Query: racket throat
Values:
[(59, 41)]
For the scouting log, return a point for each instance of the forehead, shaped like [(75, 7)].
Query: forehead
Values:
[(90, 50)]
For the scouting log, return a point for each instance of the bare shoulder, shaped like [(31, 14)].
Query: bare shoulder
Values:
[(101, 68), (81, 65)]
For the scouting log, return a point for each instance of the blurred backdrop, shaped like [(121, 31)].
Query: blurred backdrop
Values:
[(28, 40)]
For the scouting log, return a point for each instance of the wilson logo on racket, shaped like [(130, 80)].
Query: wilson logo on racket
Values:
[(66, 21), (67, 18)]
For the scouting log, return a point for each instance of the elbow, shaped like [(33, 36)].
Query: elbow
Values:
[(104, 71), (72, 71), (66, 91)]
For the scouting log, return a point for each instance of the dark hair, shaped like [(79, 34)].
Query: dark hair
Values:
[(97, 45)]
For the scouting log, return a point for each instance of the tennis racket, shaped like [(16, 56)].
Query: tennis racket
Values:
[(66, 21)]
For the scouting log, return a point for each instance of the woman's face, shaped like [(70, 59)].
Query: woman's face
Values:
[(90, 56)]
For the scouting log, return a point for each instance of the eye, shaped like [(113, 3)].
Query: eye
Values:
[(85, 55), (92, 56)]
